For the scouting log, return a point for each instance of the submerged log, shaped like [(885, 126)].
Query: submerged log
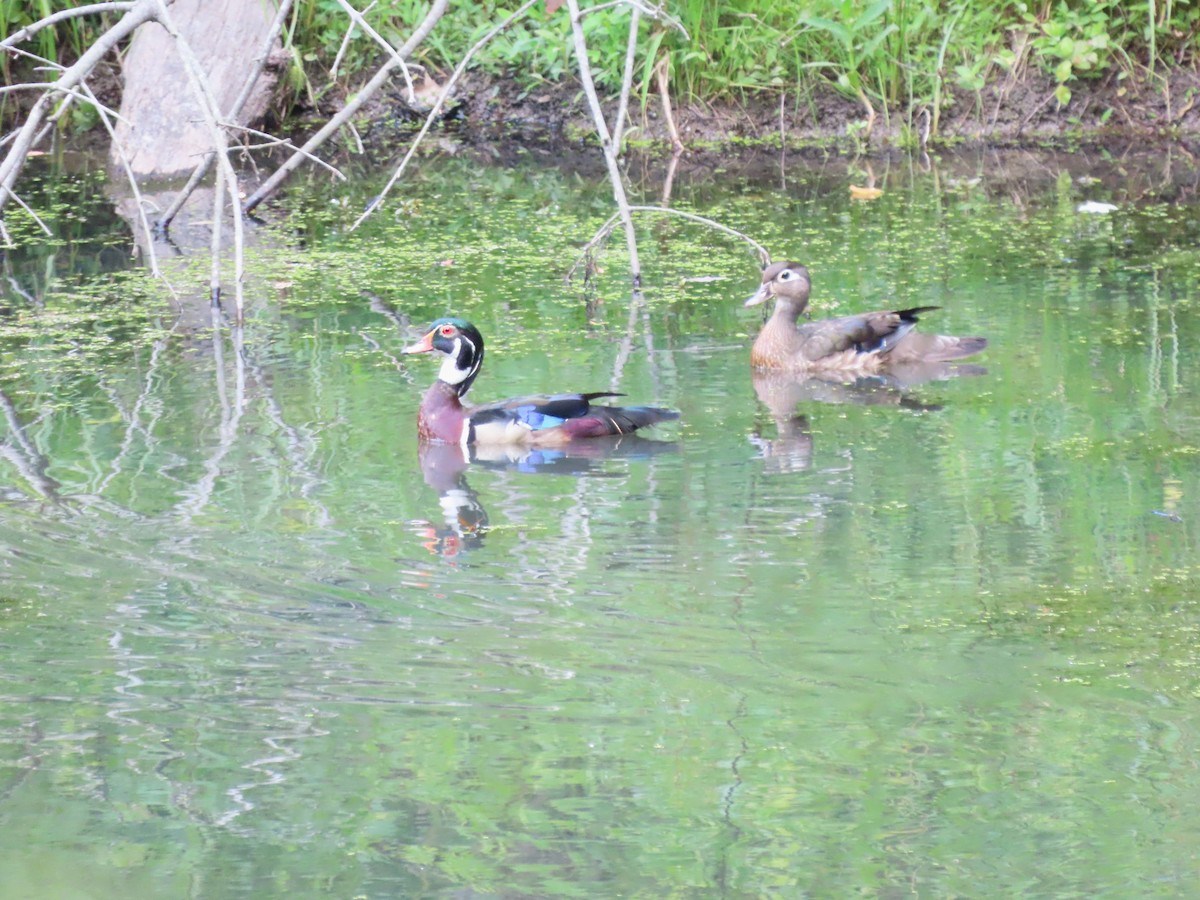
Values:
[(162, 131)]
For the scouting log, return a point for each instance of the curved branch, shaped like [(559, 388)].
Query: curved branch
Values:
[(357, 18), (606, 229), (142, 11), (61, 16)]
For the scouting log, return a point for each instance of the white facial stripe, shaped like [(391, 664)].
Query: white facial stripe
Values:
[(450, 372)]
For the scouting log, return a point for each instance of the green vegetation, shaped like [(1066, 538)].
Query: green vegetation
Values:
[(893, 56)]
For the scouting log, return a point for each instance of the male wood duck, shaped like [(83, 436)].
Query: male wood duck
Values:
[(543, 420), (865, 343)]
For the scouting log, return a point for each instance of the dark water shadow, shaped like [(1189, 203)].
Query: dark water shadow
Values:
[(464, 519), (782, 393)]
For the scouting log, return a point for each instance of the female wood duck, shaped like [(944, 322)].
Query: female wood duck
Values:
[(543, 420), (854, 344)]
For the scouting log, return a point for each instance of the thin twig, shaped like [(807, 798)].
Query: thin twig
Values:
[(61, 16), (345, 45), (211, 112), (610, 157), (36, 218), (436, 10), (10, 168), (658, 13), (635, 19), (437, 108), (214, 276), (151, 256), (357, 18), (607, 227), (165, 220), (271, 141)]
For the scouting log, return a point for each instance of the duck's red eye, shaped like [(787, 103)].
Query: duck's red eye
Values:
[(447, 330)]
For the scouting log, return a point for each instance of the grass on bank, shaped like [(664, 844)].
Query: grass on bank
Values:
[(894, 56)]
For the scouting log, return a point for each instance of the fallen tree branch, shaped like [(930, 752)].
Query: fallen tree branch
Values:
[(436, 10), (437, 108)]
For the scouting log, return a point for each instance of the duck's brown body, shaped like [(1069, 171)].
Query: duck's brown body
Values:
[(865, 343)]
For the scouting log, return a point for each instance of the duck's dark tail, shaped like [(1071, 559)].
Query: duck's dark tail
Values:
[(607, 420), (917, 347)]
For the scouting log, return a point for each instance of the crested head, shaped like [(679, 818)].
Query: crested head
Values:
[(788, 284), (461, 344)]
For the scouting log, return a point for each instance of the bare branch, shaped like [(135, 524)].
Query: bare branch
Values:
[(658, 13), (36, 218), (635, 20), (345, 45), (142, 11), (606, 144), (293, 162), (437, 108), (357, 18), (606, 229), (269, 140), (165, 220), (220, 140), (61, 16), (214, 277), (137, 194)]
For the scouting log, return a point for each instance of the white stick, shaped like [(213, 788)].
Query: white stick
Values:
[(437, 108), (610, 158)]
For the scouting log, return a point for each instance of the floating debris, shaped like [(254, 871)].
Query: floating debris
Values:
[(1095, 206), (865, 193)]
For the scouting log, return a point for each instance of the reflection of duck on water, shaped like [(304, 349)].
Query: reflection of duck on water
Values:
[(464, 518), (782, 392)]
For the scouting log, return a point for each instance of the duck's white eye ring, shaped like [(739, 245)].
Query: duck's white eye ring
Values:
[(785, 275)]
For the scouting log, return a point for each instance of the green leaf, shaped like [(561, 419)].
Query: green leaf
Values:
[(1063, 94), (829, 27), (872, 13)]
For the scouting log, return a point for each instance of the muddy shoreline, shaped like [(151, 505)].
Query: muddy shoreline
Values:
[(1016, 114)]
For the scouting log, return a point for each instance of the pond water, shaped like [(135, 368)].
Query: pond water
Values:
[(890, 639)]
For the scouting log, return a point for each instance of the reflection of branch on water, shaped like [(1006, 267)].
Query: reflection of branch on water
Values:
[(25, 457), (197, 498), (133, 418), (301, 447)]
